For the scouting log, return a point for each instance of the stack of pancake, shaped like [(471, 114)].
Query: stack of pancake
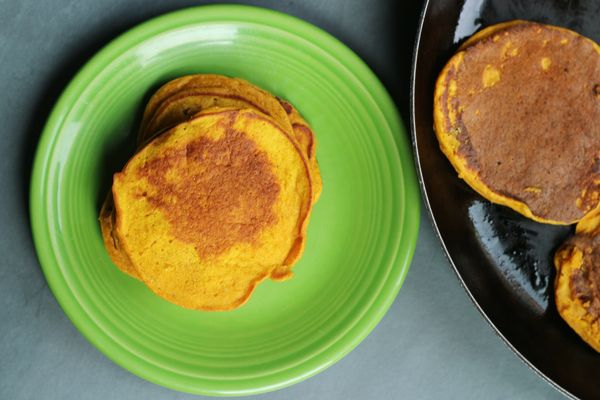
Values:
[(218, 195), (517, 113)]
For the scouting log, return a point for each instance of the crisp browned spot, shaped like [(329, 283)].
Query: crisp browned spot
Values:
[(215, 193), (286, 106)]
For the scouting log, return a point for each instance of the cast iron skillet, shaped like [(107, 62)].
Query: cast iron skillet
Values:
[(503, 260)]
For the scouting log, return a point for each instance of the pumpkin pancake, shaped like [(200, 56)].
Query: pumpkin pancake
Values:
[(212, 207), (489, 31), (221, 91), (180, 106), (107, 214), (308, 143), (111, 241), (517, 113), (186, 103), (577, 284), (181, 98), (176, 102)]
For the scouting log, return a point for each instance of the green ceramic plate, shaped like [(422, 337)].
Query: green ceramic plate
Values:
[(361, 236)]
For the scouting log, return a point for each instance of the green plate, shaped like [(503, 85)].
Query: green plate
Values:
[(361, 236)]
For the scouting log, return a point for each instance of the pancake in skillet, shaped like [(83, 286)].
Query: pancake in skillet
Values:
[(517, 113), (212, 207), (577, 283)]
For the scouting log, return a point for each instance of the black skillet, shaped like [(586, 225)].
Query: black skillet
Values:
[(503, 260)]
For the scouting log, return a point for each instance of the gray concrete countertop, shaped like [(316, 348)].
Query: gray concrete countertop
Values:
[(432, 344)]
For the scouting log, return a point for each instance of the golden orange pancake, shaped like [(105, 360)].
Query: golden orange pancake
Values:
[(111, 241), (488, 31), (181, 98), (577, 284), (517, 113), (181, 105), (122, 261), (308, 143), (177, 101), (212, 207), (186, 103), (221, 90)]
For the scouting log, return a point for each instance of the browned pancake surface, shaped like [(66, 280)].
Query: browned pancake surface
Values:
[(212, 210), (528, 117)]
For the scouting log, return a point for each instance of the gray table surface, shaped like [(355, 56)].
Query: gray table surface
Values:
[(432, 344)]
